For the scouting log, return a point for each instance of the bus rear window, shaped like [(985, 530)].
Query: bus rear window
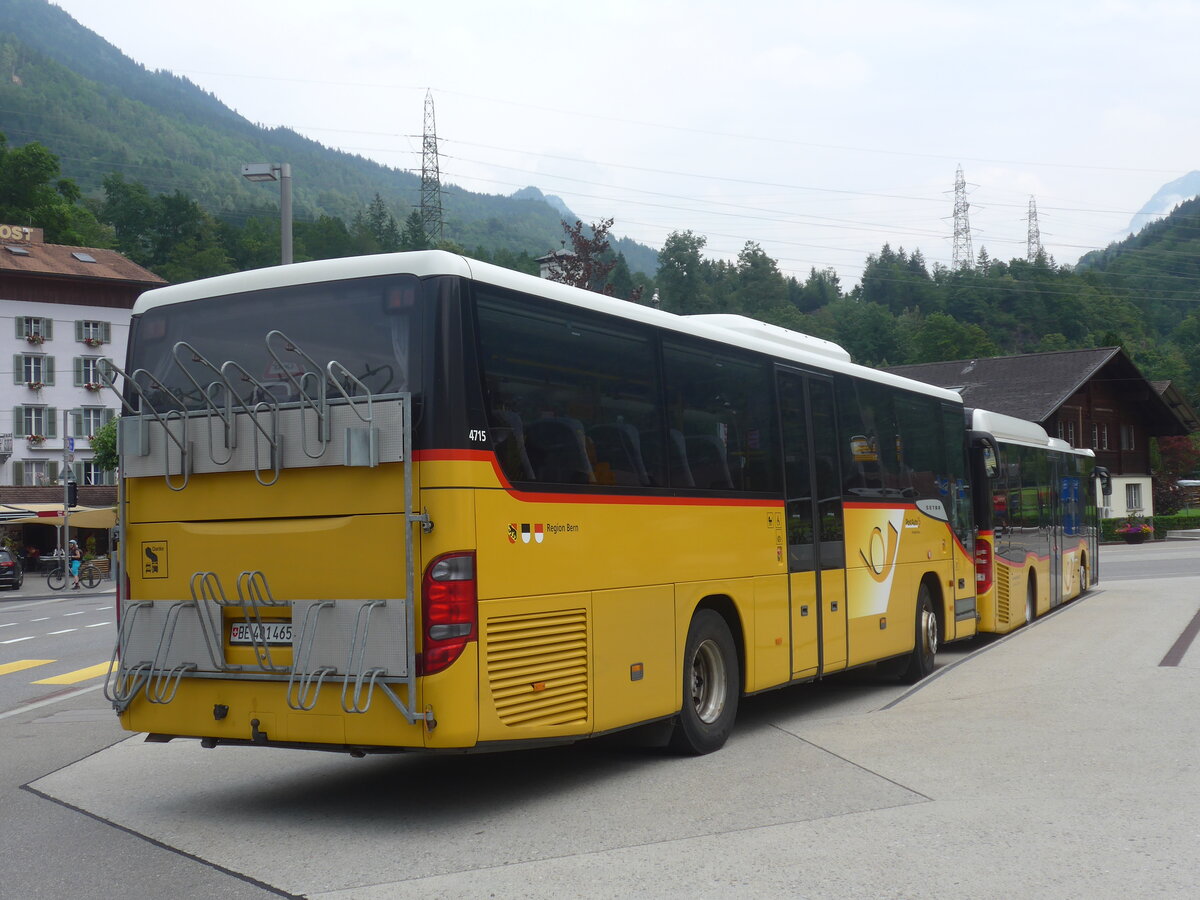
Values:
[(266, 341)]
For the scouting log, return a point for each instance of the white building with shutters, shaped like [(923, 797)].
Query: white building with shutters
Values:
[(64, 309)]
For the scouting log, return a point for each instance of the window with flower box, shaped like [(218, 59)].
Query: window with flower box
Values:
[(88, 372), (93, 333), (35, 423), (35, 329), (33, 369)]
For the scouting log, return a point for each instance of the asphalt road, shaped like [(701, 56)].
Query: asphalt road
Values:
[(1058, 761)]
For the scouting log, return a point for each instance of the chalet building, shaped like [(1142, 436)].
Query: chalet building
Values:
[(67, 308), (1096, 399)]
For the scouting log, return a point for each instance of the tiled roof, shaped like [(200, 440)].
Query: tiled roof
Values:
[(59, 259), (1033, 386)]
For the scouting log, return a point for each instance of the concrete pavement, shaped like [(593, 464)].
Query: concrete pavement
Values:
[(1061, 761)]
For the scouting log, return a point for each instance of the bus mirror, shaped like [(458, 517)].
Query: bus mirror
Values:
[(990, 468), (1105, 480), (991, 455)]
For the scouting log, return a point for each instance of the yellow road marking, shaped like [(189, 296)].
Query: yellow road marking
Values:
[(78, 675), (23, 664)]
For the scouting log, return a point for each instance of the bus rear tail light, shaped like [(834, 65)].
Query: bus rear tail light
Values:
[(983, 565), (449, 611)]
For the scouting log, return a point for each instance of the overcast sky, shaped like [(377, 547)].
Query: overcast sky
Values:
[(820, 130)]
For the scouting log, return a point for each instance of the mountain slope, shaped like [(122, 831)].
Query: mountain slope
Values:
[(100, 112)]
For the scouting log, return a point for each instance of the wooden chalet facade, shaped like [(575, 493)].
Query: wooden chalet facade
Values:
[(1096, 399)]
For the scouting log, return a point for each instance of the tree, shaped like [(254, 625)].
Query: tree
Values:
[(32, 192), (588, 261), (760, 286), (681, 287), (104, 446), (382, 226), (413, 237)]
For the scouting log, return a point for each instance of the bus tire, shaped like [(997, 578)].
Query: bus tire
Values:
[(1084, 575), (711, 686), (1031, 602), (920, 663)]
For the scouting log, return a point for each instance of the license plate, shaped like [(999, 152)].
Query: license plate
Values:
[(265, 633)]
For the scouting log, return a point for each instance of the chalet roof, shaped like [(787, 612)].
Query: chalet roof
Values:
[(1033, 386), (72, 262)]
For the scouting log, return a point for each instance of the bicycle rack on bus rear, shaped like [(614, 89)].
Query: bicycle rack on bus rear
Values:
[(161, 674)]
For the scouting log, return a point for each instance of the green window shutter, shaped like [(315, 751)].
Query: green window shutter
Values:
[(52, 471), (20, 320), (18, 422), (18, 369), (109, 415), (106, 332), (77, 472), (77, 422), (18, 472), (78, 363), (51, 422), (48, 370), (48, 326), (79, 329)]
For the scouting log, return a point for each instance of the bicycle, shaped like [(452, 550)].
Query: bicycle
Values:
[(89, 577)]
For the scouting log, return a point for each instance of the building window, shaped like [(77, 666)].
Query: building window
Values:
[(1127, 441), (1095, 437), (33, 369), (87, 421), (93, 333), (34, 472), (35, 422), (1071, 433), (35, 329), (88, 372), (1103, 437), (1133, 497), (90, 473)]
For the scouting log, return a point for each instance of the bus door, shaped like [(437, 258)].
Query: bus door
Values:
[(813, 519), (1059, 506)]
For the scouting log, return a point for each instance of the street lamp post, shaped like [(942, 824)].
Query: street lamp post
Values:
[(281, 172)]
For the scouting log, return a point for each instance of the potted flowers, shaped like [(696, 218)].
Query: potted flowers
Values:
[(35, 440), (34, 339), (1135, 530), (93, 341), (35, 385), (93, 385)]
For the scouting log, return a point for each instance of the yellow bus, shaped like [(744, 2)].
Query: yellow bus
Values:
[(417, 501), (1037, 521)]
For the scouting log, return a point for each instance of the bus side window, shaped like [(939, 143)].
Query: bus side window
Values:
[(573, 394)]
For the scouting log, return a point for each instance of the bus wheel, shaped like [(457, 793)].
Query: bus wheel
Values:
[(1084, 576), (710, 686), (920, 663), (1030, 603)]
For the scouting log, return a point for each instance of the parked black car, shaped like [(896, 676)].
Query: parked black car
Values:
[(12, 573)]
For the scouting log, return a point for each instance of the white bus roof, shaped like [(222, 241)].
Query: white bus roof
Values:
[(738, 331), (1011, 430)]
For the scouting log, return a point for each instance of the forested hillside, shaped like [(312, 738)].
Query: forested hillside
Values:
[(101, 113)]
